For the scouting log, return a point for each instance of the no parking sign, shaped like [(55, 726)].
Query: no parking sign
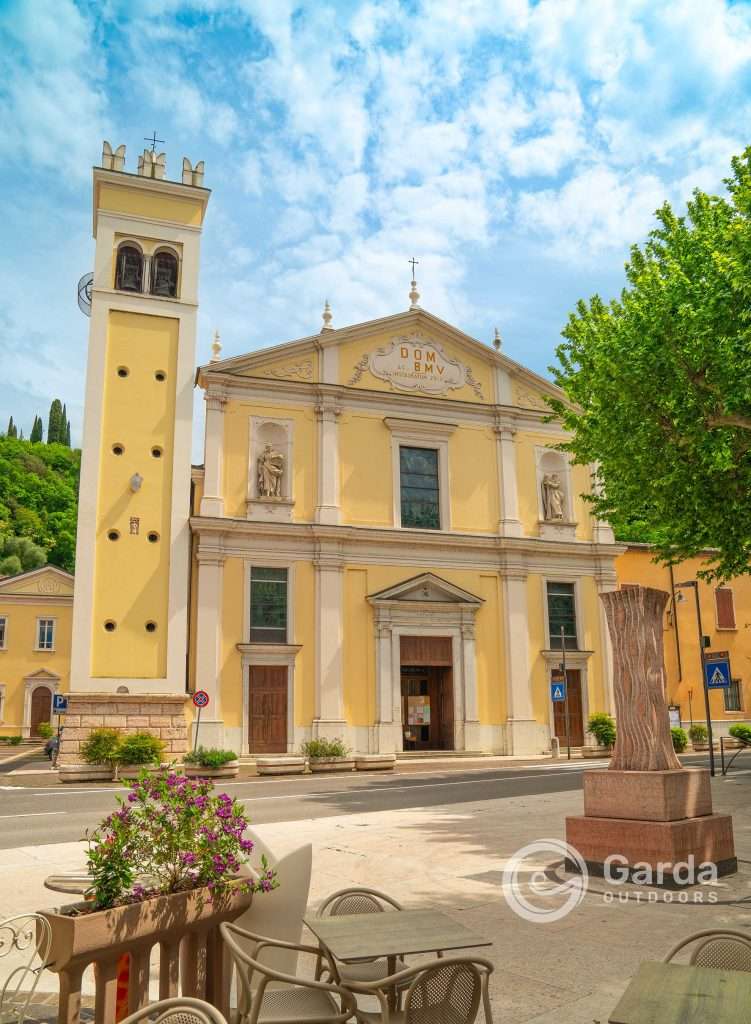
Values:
[(200, 700)]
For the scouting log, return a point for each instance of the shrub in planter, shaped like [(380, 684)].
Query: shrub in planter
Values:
[(212, 763), (698, 734), (328, 755), (139, 749), (45, 730), (176, 836), (680, 739), (101, 747), (741, 731), (602, 727)]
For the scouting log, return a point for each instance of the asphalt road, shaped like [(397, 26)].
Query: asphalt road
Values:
[(31, 816)]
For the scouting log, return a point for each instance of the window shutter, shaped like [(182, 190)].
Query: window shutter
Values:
[(725, 608)]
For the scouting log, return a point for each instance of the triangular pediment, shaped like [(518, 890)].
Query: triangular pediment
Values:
[(409, 352), (427, 587), (42, 675), (47, 581)]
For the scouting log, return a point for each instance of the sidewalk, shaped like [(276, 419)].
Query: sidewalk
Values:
[(451, 858)]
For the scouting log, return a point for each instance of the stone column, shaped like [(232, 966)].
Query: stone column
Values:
[(327, 504), (605, 583), (329, 714), (388, 718), (524, 734), (212, 501), (509, 524), (208, 644), (472, 738)]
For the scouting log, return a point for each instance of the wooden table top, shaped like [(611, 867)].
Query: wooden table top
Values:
[(680, 994), (353, 936)]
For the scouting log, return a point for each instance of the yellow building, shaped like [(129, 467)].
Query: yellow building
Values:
[(36, 609), (722, 614), (386, 542)]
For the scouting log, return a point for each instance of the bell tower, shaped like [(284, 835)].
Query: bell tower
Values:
[(133, 546)]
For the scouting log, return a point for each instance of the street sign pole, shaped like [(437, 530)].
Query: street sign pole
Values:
[(704, 683), (198, 726), (200, 701), (565, 706)]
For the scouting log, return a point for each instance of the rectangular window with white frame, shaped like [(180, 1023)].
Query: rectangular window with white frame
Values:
[(561, 598), (419, 488), (3, 632), (724, 608), (45, 635), (268, 605), (733, 696)]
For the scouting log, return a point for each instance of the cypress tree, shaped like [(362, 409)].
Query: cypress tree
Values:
[(54, 422), (67, 434), (11, 428), (37, 429)]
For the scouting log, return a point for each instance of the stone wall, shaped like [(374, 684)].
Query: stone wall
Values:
[(162, 715)]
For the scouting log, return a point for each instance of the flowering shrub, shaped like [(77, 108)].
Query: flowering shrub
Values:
[(171, 834)]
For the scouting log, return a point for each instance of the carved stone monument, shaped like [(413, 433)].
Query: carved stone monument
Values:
[(270, 473), (553, 499), (647, 808)]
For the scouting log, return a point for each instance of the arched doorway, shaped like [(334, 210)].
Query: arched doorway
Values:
[(41, 708)]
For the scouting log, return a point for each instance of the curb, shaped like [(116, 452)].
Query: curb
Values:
[(28, 752)]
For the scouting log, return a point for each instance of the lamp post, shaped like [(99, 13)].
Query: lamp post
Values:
[(694, 584)]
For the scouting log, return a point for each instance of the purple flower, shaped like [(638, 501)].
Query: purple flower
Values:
[(247, 845), (132, 797), (266, 885), (188, 858), (224, 812)]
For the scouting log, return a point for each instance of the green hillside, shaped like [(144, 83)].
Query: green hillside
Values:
[(39, 496)]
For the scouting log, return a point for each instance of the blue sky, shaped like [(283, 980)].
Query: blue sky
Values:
[(516, 149)]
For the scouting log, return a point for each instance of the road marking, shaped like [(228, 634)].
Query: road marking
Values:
[(33, 814)]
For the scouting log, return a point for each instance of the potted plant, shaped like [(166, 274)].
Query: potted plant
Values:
[(165, 871), (326, 755), (602, 727), (699, 736), (99, 753), (138, 751), (680, 739), (211, 763), (741, 735)]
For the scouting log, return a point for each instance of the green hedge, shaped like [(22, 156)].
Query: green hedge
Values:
[(680, 740)]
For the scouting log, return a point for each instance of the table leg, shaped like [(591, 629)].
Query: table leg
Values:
[(393, 994)]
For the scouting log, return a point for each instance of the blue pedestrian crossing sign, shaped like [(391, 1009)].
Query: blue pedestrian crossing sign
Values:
[(558, 691), (59, 704), (717, 670)]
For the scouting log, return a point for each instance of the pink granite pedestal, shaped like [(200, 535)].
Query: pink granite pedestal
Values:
[(651, 817)]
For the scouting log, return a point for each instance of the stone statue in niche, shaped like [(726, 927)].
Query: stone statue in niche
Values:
[(270, 473), (552, 497)]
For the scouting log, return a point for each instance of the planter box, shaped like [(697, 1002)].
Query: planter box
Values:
[(85, 773), (701, 747), (597, 751), (226, 771), (280, 765), (332, 764), (132, 771), (191, 953), (375, 762)]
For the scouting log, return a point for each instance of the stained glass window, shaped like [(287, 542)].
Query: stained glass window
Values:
[(420, 497), (562, 612), (268, 605)]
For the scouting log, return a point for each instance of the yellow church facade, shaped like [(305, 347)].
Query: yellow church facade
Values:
[(383, 543), (373, 555)]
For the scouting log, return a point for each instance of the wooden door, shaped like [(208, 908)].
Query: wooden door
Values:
[(41, 708), (574, 691), (267, 728)]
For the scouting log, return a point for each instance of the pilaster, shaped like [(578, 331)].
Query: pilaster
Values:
[(210, 584), (606, 582), (509, 524), (329, 703), (212, 500), (524, 734), (327, 414)]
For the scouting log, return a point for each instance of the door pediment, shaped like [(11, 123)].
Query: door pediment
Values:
[(425, 588)]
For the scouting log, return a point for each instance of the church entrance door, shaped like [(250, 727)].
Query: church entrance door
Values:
[(427, 693), (41, 709), (574, 687), (267, 728)]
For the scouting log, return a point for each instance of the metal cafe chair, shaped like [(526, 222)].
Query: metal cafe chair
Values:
[(179, 1010), (720, 948), (26, 938)]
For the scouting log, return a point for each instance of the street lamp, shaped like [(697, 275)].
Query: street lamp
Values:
[(694, 584)]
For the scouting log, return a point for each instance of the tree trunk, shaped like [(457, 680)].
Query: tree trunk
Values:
[(643, 739)]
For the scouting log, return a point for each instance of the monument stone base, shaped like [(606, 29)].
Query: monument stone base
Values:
[(659, 818), (163, 715)]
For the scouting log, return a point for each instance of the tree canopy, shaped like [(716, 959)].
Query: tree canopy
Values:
[(661, 384), (39, 497), (19, 554)]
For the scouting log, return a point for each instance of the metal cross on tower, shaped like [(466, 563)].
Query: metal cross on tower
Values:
[(415, 263), (153, 142)]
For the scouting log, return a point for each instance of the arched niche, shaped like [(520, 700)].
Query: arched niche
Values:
[(554, 493), (270, 469)]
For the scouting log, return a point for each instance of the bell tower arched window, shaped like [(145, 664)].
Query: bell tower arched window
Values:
[(164, 274), (129, 274)]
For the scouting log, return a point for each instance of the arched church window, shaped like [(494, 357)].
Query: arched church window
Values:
[(129, 275), (164, 274)]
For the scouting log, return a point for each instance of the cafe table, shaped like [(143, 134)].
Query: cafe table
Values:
[(681, 994), (352, 937)]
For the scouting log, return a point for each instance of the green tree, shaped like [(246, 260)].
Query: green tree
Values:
[(55, 422), (12, 430), (19, 554), (659, 383), (67, 434), (37, 430)]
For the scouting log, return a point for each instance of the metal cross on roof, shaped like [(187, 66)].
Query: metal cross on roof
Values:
[(415, 263), (153, 142)]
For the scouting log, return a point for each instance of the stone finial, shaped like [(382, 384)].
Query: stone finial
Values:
[(192, 175), (414, 295), (152, 165), (112, 161), (216, 348), (327, 317), (497, 340)]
